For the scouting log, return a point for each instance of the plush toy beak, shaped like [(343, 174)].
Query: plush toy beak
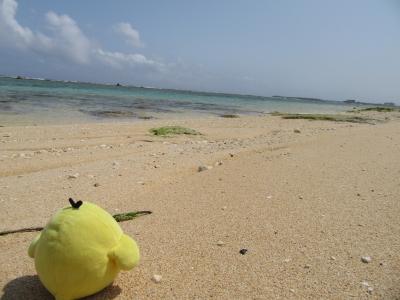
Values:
[(125, 254)]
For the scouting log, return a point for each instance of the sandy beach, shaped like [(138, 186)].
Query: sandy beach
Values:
[(307, 199)]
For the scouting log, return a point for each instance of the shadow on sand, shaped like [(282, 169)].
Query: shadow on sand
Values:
[(30, 288)]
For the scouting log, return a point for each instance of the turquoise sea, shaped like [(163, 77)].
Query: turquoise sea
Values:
[(32, 101)]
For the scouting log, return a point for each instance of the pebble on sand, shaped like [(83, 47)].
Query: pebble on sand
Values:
[(220, 243), (365, 284), (204, 168), (366, 259), (296, 130), (156, 278), (96, 184), (243, 251), (73, 176)]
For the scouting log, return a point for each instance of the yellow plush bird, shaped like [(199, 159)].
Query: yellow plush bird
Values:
[(81, 250)]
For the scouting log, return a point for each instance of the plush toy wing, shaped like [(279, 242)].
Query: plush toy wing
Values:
[(32, 246), (125, 254)]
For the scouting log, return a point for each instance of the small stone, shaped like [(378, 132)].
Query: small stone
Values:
[(204, 168), (366, 259), (220, 243), (224, 207), (297, 130), (140, 182), (96, 184), (333, 258), (358, 194), (73, 176), (307, 266), (365, 284), (300, 197), (370, 290), (292, 291), (156, 278), (218, 163), (201, 168), (243, 251), (231, 155), (269, 197)]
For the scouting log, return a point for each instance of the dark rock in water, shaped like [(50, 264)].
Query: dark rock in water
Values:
[(145, 117), (117, 114), (243, 251), (229, 116), (112, 113), (118, 84)]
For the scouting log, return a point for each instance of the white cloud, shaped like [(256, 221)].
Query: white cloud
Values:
[(13, 32), (65, 40), (120, 60), (130, 34), (69, 38)]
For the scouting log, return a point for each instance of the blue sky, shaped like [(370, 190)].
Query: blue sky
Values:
[(329, 49)]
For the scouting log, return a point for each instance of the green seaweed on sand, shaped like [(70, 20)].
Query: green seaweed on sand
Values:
[(376, 108), (324, 117), (229, 116), (130, 215), (173, 130)]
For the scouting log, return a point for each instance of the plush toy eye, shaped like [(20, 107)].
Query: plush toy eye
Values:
[(75, 204)]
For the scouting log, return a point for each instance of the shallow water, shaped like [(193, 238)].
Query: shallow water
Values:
[(24, 101)]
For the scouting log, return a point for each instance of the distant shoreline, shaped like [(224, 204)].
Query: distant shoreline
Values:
[(207, 93)]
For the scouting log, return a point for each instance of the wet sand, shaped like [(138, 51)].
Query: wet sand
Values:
[(307, 206)]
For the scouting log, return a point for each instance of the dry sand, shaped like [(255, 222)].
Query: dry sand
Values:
[(306, 205)]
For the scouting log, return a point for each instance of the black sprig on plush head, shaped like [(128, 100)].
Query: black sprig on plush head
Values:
[(75, 204)]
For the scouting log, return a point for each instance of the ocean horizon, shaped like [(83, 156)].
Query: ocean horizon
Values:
[(44, 101)]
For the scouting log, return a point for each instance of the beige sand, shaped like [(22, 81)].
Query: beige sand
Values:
[(307, 205)]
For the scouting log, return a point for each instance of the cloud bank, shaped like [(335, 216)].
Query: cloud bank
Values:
[(66, 41)]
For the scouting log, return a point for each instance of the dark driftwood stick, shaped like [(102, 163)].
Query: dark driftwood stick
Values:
[(118, 217), (30, 229)]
